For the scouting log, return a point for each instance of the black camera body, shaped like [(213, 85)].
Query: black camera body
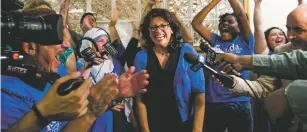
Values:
[(17, 27)]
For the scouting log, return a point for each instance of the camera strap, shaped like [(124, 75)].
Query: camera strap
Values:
[(28, 74)]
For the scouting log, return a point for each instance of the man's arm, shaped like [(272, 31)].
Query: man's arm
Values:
[(29, 123), (285, 65), (54, 107), (184, 30), (199, 106), (258, 89), (242, 22), (199, 18), (291, 65)]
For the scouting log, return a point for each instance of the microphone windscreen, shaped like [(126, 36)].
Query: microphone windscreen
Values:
[(190, 57)]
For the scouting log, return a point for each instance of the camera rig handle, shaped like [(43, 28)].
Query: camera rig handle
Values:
[(70, 85)]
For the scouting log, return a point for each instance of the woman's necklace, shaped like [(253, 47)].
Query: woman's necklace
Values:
[(160, 52)]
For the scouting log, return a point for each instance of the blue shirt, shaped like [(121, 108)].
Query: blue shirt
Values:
[(185, 82), (17, 99), (216, 93)]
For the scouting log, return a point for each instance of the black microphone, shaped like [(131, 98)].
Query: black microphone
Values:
[(70, 85), (212, 54), (197, 62)]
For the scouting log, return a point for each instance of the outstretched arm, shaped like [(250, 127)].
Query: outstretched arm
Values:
[(112, 28), (260, 42), (149, 6), (54, 107), (183, 30), (285, 65), (242, 22), (198, 19), (64, 11)]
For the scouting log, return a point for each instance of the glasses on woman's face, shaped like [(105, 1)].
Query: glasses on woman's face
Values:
[(162, 27)]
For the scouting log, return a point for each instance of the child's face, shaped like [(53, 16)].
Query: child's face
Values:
[(229, 28)]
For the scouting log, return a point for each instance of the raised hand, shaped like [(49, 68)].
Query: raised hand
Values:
[(258, 1), (114, 17), (102, 94), (63, 108), (153, 2), (131, 84), (135, 26)]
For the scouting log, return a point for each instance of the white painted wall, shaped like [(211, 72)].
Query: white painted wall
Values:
[(274, 12)]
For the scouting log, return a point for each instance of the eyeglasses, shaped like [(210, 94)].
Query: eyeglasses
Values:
[(162, 27)]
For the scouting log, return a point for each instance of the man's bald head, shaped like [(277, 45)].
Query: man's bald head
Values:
[(297, 27)]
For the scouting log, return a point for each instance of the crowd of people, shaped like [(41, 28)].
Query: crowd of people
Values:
[(152, 87)]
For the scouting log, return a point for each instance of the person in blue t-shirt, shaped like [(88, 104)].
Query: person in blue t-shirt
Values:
[(175, 101), (30, 103), (224, 110)]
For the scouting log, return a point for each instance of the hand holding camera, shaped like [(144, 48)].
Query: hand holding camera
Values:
[(60, 108)]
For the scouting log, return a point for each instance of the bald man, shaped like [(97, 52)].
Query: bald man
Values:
[(265, 85)]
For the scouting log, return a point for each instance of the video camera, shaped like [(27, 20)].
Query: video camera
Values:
[(17, 27)]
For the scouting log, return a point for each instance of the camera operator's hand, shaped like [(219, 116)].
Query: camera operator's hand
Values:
[(62, 108), (102, 94), (131, 84)]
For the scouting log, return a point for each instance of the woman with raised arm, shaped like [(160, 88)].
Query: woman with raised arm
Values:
[(224, 110), (265, 42)]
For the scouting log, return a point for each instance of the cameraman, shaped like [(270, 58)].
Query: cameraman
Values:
[(31, 104)]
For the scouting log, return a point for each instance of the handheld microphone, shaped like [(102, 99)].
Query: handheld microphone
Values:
[(110, 50), (70, 85), (197, 62), (212, 53)]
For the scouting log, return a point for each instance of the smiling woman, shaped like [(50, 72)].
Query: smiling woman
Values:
[(173, 88)]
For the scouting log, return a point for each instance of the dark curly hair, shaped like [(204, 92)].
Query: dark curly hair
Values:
[(267, 33), (223, 16), (167, 16)]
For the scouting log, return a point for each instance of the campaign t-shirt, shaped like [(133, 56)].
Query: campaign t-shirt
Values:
[(216, 93), (17, 99)]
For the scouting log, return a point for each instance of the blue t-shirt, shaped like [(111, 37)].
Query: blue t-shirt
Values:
[(185, 82), (17, 99), (216, 93)]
